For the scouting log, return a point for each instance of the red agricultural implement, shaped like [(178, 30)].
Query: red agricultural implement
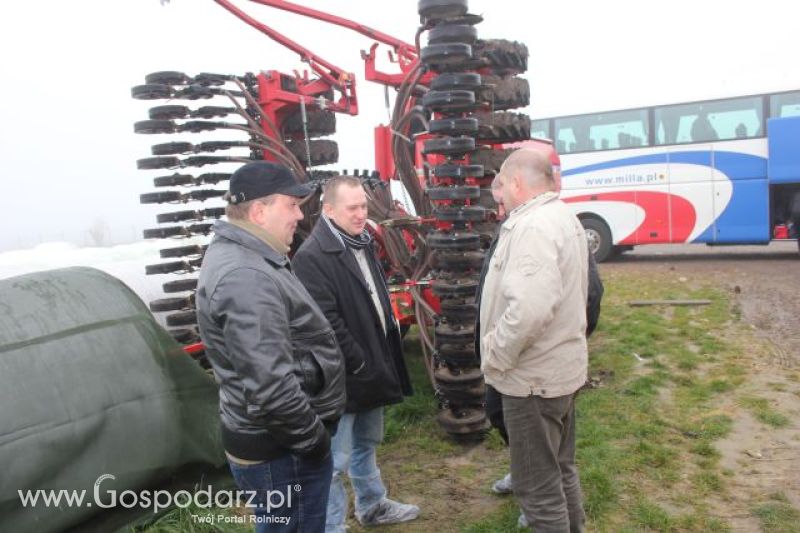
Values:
[(448, 134)]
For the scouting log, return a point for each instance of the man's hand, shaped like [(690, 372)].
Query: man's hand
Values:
[(320, 451)]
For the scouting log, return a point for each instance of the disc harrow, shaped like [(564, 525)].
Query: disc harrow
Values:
[(234, 112), (474, 84), (452, 119)]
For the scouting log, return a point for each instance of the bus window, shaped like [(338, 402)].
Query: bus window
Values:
[(565, 135), (602, 131), (784, 105), (540, 128), (735, 118), (619, 129)]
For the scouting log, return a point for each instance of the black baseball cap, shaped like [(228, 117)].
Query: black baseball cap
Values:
[(262, 178)]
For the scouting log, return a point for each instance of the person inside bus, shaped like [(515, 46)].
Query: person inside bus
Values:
[(741, 131), (702, 129)]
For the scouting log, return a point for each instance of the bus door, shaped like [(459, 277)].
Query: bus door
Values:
[(691, 193), (741, 193), (652, 196)]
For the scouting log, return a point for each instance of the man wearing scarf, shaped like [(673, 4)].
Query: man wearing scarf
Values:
[(338, 266)]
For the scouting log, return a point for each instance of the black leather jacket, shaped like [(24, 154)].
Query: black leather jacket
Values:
[(275, 357)]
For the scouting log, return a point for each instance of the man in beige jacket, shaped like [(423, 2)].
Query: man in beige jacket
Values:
[(533, 340)]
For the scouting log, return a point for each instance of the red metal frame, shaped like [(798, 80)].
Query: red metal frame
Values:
[(403, 302), (405, 60), (384, 163), (397, 44), (402, 53), (307, 90), (280, 94)]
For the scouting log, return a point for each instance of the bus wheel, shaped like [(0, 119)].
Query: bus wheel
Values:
[(599, 238)]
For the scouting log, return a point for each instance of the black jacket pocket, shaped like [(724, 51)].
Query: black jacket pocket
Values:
[(308, 372)]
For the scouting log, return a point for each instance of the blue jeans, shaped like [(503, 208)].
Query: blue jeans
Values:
[(353, 449), (280, 506)]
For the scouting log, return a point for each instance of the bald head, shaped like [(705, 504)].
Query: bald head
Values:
[(532, 166), (525, 174)]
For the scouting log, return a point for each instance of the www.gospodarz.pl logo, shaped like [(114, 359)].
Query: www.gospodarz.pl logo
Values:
[(156, 499)]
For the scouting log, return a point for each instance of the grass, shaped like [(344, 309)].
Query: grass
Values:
[(412, 422), (646, 440), (503, 520), (764, 412), (652, 428), (650, 515), (672, 381), (777, 515)]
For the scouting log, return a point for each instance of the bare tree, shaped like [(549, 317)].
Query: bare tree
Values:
[(98, 232)]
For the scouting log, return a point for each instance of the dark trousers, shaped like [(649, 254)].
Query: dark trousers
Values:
[(542, 438), (290, 493), (494, 411)]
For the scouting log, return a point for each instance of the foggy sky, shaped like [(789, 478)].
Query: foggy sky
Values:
[(67, 148)]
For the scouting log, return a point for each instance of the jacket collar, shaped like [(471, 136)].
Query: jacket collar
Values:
[(262, 234), (329, 241), (531, 205), (241, 236)]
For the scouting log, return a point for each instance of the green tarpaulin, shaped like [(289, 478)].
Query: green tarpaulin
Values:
[(91, 385)]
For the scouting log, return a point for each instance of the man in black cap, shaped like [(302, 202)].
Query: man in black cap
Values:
[(275, 357)]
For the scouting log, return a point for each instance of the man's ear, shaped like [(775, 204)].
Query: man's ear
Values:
[(326, 209), (256, 212)]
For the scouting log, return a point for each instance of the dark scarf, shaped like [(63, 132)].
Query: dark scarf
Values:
[(359, 242), (362, 242)]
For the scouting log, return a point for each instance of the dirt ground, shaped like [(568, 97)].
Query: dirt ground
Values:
[(763, 282)]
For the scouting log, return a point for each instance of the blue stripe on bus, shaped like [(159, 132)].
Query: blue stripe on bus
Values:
[(639, 160), (735, 165), (741, 166)]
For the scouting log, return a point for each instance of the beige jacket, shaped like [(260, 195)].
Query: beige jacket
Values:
[(533, 305)]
